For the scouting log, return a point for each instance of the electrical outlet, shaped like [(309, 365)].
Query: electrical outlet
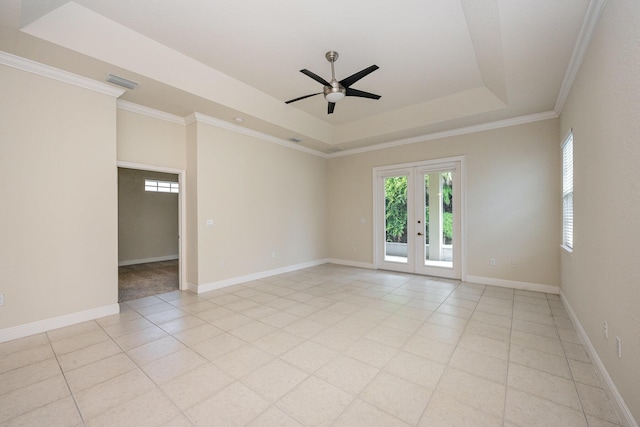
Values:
[(492, 261), (619, 347), (605, 329), (273, 254)]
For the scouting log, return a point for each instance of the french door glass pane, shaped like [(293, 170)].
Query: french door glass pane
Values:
[(438, 219), (395, 206)]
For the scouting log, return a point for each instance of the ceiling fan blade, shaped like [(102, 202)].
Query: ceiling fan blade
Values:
[(357, 76), (315, 77), (330, 107), (302, 97), (361, 94)]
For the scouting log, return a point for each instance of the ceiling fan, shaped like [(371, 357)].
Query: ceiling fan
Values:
[(335, 90)]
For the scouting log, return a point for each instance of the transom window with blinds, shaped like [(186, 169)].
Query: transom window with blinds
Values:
[(567, 191), (156, 186)]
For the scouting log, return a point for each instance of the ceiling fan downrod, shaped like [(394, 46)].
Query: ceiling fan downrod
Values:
[(336, 91)]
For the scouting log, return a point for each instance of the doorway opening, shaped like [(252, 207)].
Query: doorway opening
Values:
[(150, 252), (418, 217)]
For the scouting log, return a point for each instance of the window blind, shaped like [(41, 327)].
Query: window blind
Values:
[(161, 186), (567, 191)]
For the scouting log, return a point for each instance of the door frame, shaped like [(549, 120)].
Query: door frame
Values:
[(378, 249), (419, 191), (182, 213)]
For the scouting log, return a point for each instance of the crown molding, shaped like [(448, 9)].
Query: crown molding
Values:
[(591, 19), (546, 115), (149, 112), (58, 74), (203, 118)]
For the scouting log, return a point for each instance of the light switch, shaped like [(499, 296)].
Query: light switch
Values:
[(209, 223)]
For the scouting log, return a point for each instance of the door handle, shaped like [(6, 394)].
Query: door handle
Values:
[(419, 234)]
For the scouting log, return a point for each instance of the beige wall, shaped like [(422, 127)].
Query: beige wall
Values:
[(601, 279), (147, 221), (150, 141), (264, 199), (513, 199), (192, 202), (58, 224)]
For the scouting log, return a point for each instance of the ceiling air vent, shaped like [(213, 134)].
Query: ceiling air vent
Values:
[(121, 81)]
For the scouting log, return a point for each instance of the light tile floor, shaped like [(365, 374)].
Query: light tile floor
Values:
[(325, 346)]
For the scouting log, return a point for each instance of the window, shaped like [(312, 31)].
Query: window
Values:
[(567, 191), (161, 186)]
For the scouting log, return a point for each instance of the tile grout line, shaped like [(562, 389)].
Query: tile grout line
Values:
[(382, 369), (506, 380), (363, 305), (241, 312), (278, 357), (435, 388), (566, 359), (122, 351), (355, 397), (404, 304), (312, 374), (157, 386), (573, 380), (465, 329), (71, 393)]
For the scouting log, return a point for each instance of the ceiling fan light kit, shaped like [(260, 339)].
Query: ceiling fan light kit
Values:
[(335, 90), (334, 93)]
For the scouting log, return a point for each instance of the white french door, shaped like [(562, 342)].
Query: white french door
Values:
[(418, 218)]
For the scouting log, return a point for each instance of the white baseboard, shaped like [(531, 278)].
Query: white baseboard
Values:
[(367, 265), (212, 286), (146, 260), (619, 404), (45, 325), (514, 284)]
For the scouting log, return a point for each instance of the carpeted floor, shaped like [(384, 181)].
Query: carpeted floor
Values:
[(143, 280)]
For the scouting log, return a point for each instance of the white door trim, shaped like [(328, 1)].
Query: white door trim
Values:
[(377, 213), (182, 213)]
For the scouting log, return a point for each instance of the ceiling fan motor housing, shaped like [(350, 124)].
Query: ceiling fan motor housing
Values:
[(335, 92)]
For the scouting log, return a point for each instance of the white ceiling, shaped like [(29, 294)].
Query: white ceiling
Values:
[(443, 63)]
